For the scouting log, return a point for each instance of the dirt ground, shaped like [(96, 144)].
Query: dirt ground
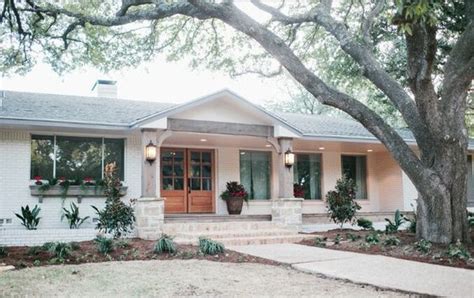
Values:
[(136, 249), (405, 250), (176, 278)]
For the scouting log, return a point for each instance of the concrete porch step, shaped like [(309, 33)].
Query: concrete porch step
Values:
[(237, 241), (216, 235), (176, 218)]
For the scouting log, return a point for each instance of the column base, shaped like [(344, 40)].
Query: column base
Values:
[(150, 217), (288, 212)]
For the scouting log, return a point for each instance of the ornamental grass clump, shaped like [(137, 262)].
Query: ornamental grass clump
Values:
[(59, 250), (104, 245), (210, 247), (341, 203), (165, 245), (116, 218)]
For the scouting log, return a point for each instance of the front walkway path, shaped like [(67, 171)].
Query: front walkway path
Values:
[(384, 272)]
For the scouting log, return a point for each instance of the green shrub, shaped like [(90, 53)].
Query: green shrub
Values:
[(423, 246), (392, 241), (60, 250), (458, 251), (365, 224), (116, 218), (165, 244), (34, 250), (321, 242), (104, 245), (29, 218), (412, 227), (3, 251), (210, 247), (392, 227), (72, 216), (353, 237), (36, 263), (372, 238), (122, 243), (338, 239), (470, 218), (75, 246), (341, 203)]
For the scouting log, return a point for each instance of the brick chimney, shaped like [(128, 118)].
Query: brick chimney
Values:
[(105, 88)]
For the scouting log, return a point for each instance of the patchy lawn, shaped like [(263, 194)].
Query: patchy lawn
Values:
[(124, 250), (176, 278), (405, 247)]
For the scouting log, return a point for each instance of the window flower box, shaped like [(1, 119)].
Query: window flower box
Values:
[(77, 191)]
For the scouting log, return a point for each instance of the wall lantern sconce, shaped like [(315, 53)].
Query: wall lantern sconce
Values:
[(150, 152), (289, 158)]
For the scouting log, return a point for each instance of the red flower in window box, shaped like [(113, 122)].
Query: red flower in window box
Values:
[(38, 180), (88, 181), (62, 181)]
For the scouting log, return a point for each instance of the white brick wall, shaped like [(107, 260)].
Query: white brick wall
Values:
[(15, 179)]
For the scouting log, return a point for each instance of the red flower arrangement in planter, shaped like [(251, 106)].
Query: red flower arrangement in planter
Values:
[(62, 181), (88, 181), (38, 180), (298, 191), (234, 195)]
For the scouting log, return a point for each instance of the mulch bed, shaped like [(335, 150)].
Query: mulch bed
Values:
[(405, 250), (136, 249)]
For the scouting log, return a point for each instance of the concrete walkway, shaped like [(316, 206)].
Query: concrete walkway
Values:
[(384, 272)]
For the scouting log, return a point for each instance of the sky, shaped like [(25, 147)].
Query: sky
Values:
[(158, 80)]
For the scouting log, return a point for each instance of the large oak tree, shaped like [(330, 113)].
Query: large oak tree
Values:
[(436, 38)]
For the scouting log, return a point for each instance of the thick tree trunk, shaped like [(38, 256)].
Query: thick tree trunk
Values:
[(442, 215)]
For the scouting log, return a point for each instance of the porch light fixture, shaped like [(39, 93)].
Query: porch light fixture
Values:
[(321, 148), (150, 152), (289, 158), (370, 150)]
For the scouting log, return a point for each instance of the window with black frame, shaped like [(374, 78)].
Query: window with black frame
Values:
[(74, 158), (307, 174), (355, 167)]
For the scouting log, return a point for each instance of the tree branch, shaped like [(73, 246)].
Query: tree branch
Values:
[(274, 45), (369, 21)]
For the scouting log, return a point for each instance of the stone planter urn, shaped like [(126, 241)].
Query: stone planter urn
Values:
[(234, 205), (234, 196)]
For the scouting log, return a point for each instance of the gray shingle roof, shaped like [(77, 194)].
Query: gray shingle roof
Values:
[(76, 109), (124, 113), (328, 126)]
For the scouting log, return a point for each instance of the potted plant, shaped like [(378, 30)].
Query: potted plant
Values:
[(234, 195), (298, 191)]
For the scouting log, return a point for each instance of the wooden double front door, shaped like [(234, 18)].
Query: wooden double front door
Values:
[(187, 180)]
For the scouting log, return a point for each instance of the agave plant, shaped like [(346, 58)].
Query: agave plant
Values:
[(72, 216), (29, 217)]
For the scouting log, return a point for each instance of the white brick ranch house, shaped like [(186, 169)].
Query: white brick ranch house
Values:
[(201, 145)]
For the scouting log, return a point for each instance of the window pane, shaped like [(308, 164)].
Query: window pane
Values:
[(255, 174), (195, 171), (167, 184), (206, 171), (78, 158), (42, 155), (307, 173), (167, 170), (206, 184), (355, 167), (114, 152), (178, 169), (206, 157), (195, 183), (178, 184)]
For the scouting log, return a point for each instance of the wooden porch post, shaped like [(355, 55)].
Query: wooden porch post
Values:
[(285, 174)]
